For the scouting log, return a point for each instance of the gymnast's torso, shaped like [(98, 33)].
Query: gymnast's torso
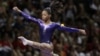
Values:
[(46, 31)]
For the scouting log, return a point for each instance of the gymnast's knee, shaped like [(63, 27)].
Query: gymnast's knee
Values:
[(46, 46)]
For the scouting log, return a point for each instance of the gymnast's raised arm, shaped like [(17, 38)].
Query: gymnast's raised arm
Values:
[(69, 29), (26, 15)]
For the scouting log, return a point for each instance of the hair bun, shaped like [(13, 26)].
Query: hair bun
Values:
[(48, 9)]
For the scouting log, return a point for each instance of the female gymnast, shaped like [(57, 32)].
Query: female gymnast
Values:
[(47, 28)]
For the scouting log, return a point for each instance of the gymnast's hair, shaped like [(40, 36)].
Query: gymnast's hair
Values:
[(48, 10)]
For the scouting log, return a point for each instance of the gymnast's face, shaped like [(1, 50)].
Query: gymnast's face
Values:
[(45, 15)]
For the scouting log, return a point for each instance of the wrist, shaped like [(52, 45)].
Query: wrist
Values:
[(19, 10), (82, 31)]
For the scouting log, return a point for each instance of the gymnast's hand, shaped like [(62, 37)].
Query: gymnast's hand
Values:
[(82, 31), (16, 9)]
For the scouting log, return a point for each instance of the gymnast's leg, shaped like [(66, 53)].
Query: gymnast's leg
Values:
[(36, 44), (46, 49)]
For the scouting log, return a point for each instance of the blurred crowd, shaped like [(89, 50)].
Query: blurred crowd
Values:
[(83, 14)]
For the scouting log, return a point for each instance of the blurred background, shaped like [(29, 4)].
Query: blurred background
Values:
[(83, 14)]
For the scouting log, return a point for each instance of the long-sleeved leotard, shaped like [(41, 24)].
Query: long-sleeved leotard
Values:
[(46, 31)]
